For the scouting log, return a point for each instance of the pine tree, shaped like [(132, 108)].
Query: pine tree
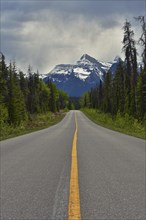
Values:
[(33, 96), (118, 94), (144, 92), (3, 81), (3, 91), (31, 91), (93, 95), (107, 103), (141, 96), (133, 94), (63, 99), (44, 96), (71, 105), (17, 108), (142, 39), (54, 97), (24, 86), (100, 95), (86, 100), (131, 68)]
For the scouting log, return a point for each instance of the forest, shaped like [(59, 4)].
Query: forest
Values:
[(23, 97), (123, 93)]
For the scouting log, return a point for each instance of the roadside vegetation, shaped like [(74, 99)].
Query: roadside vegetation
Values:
[(26, 102), (122, 123), (119, 102), (36, 122)]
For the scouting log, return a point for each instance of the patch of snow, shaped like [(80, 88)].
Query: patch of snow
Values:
[(81, 70), (100, 73), (106, 65), (81, 76), (64, 72), (81, 73)]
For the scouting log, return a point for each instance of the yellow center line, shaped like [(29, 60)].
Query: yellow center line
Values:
[(74, 198)]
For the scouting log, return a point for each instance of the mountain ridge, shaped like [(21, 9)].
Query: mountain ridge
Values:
[(75, 79)]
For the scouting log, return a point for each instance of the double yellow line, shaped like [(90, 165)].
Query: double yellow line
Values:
[(74, 198)]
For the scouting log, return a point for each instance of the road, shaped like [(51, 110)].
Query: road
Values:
[(36, 167)]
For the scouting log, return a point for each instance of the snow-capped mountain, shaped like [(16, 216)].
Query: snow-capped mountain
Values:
[(80, 77)]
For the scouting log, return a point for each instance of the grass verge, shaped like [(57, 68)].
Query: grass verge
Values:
[(125, 124), (35, 122)]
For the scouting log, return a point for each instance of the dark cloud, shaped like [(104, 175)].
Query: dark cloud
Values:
[(45, 33), (100, 9)]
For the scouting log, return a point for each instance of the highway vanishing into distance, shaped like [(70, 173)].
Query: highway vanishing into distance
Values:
[(103, 170)]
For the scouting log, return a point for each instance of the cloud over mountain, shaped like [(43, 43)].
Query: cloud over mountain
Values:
[(43, 33)]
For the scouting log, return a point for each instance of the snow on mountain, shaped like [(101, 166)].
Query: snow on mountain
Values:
[(80, 77)]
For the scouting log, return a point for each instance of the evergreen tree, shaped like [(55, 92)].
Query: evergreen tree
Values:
[(142, 39), (142, 79), (107, 104), (144, 92), (141, 100), (86, 100), (133, 94), (17, 108), (33, 96), (63, 100), (118, 94), (71, 105), (54, 97), (93, 94), (100, 95), (3, 91), (24, 86), (3, 81), (44, 96), (131, 68), (31, 91)]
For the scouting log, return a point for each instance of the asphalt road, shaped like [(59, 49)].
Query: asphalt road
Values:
[(35, 173)]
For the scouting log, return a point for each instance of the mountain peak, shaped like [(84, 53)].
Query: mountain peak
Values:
[(75, 79), (87, 58), (117, 59)]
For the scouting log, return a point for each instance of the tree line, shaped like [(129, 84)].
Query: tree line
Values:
[(22, 95), (125, 91)]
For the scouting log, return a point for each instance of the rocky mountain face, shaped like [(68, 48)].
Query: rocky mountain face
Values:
[(86, 73)]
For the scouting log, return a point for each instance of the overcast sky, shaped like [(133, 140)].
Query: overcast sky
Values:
[(45, 33)]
